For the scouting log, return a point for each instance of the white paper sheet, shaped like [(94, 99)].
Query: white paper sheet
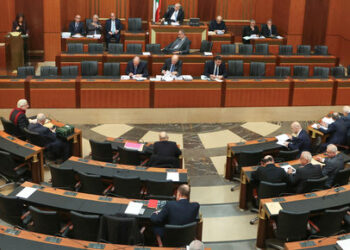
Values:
[(26, 192), (286, 167), (279, 37), (315, 126), (208, 53), (344, 244), (281, 139), (327, 120), (146, 53), (187, 77), (125, 77), (172, 176), (133, 208)]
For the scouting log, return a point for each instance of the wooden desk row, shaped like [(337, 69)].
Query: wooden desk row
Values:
[(116, 93), (328, 243)]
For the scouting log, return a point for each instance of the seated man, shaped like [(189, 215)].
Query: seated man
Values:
[(268, 29), (57, 147), (113, 29), (216, 69), (179, 212), (172, 65), (95, 27), (76, 27), (333, 163), (269, 172), (136, 68), (346, 117), (164, 147), (218, 26), (308, 171), (180, 46), (301, 140), (174, 15), (252, 29), (18, 115)]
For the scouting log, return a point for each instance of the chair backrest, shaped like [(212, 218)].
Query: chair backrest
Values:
[(228, 49), (101, 151), (322, 72), (206, 46), (160, 190), (245, 49), (257, 69), (8, 165), (281, 71), (9, 127), (95, 48), (301, 71), (115, 48), (330, 222), (271, 190), (163, 161), (285, 50), (292, 226), (85, 227), (134, 24), (127, 186), (70, 71), (304, 50), (91, 184), (311, 185), (88, 21), (45, 222), (179, 235), (342, 177), (134, 48), (321, 50), (262, 49), (235, 68), (129, 157), (111, 69), (153, 48), (249, 158), (338, 71), (89, 68), (11, 209), (48, 71), (75, 48), (25, 71), (288, 155), (34, 138), (62, 177)]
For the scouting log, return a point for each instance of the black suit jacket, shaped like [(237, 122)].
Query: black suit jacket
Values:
[(337, 131), (270, 173), (22, 28), (177, 68), (44, 132), (19, 118), (166, 148), (79, 30), (215, 26), (209, 69), (332, 167), (301, 142), (309, 171), (141, 68), (247, 31), (169, 13), (184, 49), (118, 25), (268, 33)]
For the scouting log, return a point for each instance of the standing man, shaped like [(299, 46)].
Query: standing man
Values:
[(218, 26), (268, 29), (136, 68), (174, 15), (180, 46), (173, 65), (215, 69), (113, 29), (76, 26), (252, 29)]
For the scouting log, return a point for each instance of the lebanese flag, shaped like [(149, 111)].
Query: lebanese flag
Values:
[(156, 10)]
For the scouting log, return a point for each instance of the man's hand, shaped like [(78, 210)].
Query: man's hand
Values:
[(111, 33), (290, 170), (174, 73), (162, 20), (286, 144), (290, 136), (212, 77), (319, 159), (131, 74), (163, 72), (117, 31), (17, 28), (138, 75)]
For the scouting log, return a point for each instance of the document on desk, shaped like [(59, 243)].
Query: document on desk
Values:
[(26, 192), (273, 207), (134, 146), (133, 208), (125, 77), (286, 168), (327, 120), (315, 126), (344, 244), (281, 139), (172, 176), (208, 53)]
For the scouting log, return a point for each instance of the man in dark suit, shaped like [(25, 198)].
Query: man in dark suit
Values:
[(172, 65), (18, 116), (252, 29), (136, 68), (95, 27), (113, 29), (218, 25), (268, 29), (333, 163), (58, 148), (215, 69), (76, 27), (179, 212), (180, 46), (307, 171), (346, 119), (164, 147), (174, 15), (269, 172), (301, 141)]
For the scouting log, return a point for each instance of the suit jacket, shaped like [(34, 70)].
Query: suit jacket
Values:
[(270, 173), (301, 142), (215, 26), (184, 49), (169, 13), (337, 131), (118, 25), (331, 168), (346, 120), (166, 148), (179, 212), (91, 29), (268, 33), (79, 30), (177, 68), (44, 132), (309, 171), (141, 68), (19, 118), (209, 69), (248, 32), (22, 28)]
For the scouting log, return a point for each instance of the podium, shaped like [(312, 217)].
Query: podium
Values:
[(15, 50)]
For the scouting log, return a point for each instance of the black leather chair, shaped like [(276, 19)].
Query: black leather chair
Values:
[(312, 185), (287, 155), (160, 190), (102, 151), (129, 157), (304, 50), (282, 71), (179, 235), (285, 50), (301, 71), (45, 222), (63, 178), (235, 68), (75, 48), (133, 48), (11, 210), (248, 158), (321, 50), (261, 49), (228, 49), (321, 72), (23, 72), (206, 46), (163, 161), (111, 69), (69, 71), (342, 177), (12, 170), (115, 48), (127, 186), (85, 227), (88, 21), (153, 48), (91, 184), (338, 72), (12, 129), (245, 49), (34, 138), (95, 48), (48, 71), (135, 25), (257, 69), (89, 68)]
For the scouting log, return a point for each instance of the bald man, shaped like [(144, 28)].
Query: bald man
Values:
[(172, 65), (166, 148), (136, 68), (174, 15), (76, 26), (268, 29), (301, 140), (269, 172), (218, 25), (113, 29)]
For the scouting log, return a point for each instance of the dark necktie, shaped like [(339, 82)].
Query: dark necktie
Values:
[(172, 68), (135, 70)]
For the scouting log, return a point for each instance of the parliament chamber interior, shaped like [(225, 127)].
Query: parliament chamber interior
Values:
[(174, 124)]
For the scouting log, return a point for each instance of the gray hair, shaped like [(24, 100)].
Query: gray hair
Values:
[(306, 155), (21, 103), (196, 245), (332, 148), (163, 135), (41, 117), (346, 109)]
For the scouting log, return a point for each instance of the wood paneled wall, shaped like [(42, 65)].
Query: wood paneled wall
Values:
[(7, 13)]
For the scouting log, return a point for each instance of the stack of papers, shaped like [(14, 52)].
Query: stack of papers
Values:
[(133, 208), (273, 207), (133, 146), (203, 77), (187, 77), (279, 37), (344, 244), (172, 176), (125, 77), (315, 126), (146, 53), (26, 192), (286, 167), (327, 120), (175, 23), (281, 139), (77, 36), (66, 35), (208, 53)]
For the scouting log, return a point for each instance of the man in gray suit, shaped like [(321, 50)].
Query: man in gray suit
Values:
[(180, 46)]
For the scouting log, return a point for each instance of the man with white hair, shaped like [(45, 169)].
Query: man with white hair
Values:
[(196, 245), (18, 115), (301, 140), (172, 65), (136, 68), (180, 46), (307, 171), (346, 116), (333, 163), (166, 148), (174, 15), (95, 27)]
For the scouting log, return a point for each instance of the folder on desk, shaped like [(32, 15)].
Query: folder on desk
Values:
[(273, 207), (134, 146)]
